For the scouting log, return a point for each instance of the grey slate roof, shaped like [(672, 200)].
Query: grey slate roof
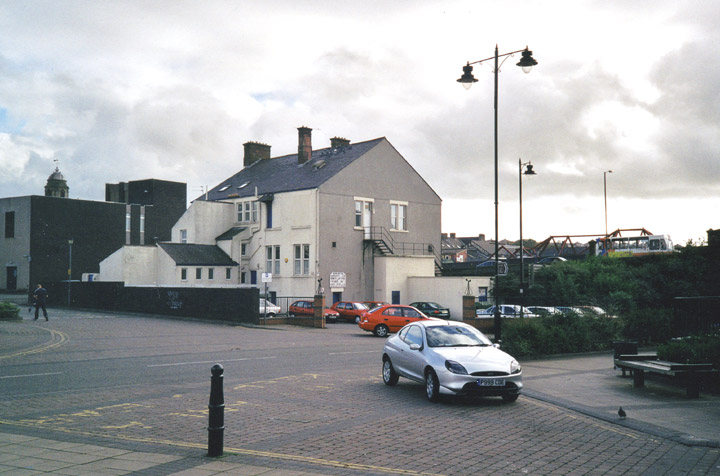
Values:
[(197, 255), (283, 174), (228, 235)]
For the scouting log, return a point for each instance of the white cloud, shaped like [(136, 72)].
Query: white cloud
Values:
[(120, 91)]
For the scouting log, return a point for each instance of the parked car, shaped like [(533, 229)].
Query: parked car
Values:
[(594, 311), (389, 318), (551, 260), (349, 310), (506, 310), (269, 307), (306, 308), (373, 304), (568, 310), (543, 310), (450, 358), (432, 309)]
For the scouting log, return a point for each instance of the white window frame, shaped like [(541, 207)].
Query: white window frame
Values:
[(272, 259), (228, 273), (183, 236), (398, 216), (248, 211), (301, 260), (211, 274), (183, 274), (360, 210)]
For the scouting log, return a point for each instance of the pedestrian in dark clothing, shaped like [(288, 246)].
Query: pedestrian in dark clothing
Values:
[(40, 297)]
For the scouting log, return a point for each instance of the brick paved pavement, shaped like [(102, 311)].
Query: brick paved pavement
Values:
[(332, 422)]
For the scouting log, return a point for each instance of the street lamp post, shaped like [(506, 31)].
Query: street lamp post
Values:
[(70, 243), (605, 194), (528, 171), (467, 80)]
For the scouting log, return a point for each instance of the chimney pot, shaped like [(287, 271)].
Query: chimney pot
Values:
[(255, 151), (339, 142), (304, 145)]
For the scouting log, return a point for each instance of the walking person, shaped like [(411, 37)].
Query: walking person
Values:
[(40, 297)]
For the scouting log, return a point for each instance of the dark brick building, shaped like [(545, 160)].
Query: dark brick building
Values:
[(35, 240)]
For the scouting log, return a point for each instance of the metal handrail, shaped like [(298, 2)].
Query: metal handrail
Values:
[(380, 233)]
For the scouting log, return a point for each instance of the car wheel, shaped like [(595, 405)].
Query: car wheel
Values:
[(390, 377), (510, 397), (290, 314), (357, 319), (432, 386), (382, 330), (271, 314)]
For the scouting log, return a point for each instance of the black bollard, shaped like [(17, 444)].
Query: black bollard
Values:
[(216, 412)]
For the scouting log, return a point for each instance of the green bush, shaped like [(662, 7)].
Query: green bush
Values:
[(692, 350), (9, 311), (558, 334), (648, 325)]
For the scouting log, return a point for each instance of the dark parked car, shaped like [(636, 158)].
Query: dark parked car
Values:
[(432, 309)]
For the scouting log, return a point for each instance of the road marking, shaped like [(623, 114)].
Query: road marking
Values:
[(31, 375), (210, 362), (56, 338)]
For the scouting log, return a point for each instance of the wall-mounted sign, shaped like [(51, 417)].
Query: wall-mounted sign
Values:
[(337, 280)]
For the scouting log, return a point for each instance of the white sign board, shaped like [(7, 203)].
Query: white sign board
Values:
[(266, 278), (337, 280)]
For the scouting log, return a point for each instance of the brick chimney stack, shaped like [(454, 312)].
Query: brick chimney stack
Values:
[(336, 142), (304, 145), (255, 151)]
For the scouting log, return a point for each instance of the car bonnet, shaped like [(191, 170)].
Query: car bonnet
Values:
[(476, 359)]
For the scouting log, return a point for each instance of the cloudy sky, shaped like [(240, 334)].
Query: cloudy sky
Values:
[(127, 90)]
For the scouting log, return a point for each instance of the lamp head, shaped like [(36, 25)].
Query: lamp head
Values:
[(467, 79), (527, 61), (529, 170)]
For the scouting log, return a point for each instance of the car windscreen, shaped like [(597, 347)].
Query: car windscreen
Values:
[(455, 336)]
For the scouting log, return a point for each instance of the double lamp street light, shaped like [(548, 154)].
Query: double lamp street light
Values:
[(467, 80)]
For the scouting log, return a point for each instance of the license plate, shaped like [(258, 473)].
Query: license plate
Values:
[(491, 382)]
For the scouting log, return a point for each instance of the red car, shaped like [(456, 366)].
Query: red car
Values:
[(350, 311), (306, 308), (389, 318)]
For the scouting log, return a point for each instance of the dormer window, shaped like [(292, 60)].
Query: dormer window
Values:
[(243, 185), (225, 187)]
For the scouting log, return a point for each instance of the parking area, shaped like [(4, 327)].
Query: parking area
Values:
[(313, 400)]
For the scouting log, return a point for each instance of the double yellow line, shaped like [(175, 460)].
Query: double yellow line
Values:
[(57, 339)]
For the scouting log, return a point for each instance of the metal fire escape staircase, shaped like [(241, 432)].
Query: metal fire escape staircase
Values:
[(384, 244)]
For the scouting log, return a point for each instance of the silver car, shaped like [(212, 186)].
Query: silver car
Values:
[(450, 358)]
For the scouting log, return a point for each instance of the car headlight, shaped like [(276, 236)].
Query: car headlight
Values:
[(455, 367), (515, 367)]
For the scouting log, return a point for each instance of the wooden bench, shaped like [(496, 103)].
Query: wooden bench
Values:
[(638, 364)]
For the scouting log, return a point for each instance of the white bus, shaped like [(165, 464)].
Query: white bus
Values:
[(619, 246)]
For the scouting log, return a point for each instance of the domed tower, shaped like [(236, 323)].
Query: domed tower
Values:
[(57, 185)]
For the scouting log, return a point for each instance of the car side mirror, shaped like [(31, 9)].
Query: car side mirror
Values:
[(415, 347), (496, 345)]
